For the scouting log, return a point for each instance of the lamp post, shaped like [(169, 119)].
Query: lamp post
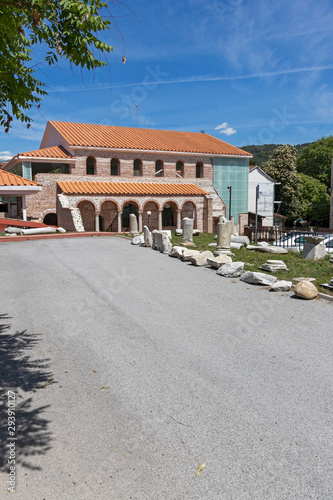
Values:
[(149, 214), (229, 189)]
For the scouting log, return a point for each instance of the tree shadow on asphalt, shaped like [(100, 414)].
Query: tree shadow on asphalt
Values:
[(23, 375)]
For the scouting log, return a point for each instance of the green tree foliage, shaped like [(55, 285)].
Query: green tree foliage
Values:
[(68, 29), (261, 153), (282, 168), (315, 160), (315, 195)]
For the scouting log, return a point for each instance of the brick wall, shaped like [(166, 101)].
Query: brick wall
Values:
[(46, 201), (126, 160)]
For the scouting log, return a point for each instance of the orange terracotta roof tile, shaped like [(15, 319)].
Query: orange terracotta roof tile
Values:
[(54, 152), (9, 179), (109, 136), (130, 188)]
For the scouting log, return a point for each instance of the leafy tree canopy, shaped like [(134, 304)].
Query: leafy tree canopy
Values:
[(68, 28), (282, 168), (315, 195), (315, 160)]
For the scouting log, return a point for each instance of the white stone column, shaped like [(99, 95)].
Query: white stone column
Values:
[(160, 220), (140, 222), (24, 207), (97, 222), (179, 219), (119, 222)]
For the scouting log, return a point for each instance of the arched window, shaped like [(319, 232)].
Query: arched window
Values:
[(137, 168), (159, 168), (180, 168), (199, 170), (114, 166), (90, 164)]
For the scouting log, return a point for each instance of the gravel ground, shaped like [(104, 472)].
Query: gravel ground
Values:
[(196, 368)]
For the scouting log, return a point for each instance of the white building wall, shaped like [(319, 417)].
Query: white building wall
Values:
[(266, 195)]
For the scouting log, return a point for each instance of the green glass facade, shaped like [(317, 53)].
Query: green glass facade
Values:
[(232, 172)]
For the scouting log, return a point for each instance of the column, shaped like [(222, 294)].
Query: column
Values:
[(119, 222), (97, 222), (179, 220), (140, 222), (160, 220), (24, 207)]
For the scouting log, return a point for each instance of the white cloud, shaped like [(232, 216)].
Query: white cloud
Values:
[(5, 155), (224, 129)]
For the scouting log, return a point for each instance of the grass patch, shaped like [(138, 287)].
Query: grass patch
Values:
[(322, 270)]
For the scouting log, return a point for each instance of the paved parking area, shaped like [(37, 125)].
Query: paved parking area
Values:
[(195, 368)]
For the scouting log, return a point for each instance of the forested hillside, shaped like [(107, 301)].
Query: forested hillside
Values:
[(262, 153)]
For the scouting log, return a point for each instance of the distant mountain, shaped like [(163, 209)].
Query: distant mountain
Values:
[(263, 152)]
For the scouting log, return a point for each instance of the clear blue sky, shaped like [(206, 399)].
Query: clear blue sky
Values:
[(246, 72)]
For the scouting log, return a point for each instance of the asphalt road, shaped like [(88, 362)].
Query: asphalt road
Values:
[(196, 368)]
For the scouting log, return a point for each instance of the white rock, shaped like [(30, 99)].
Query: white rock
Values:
[(39, 230), (231, 269), (219, 261), (166, 244), (201, 258), (164, 231), (177, 252), (274, 265), (240, 239), (179, 232), (61, 230), (263, 244), (148, 239), (236, 246), (281, 286), (138, 240), (312, 251), (306, 290), (13, 230), (187, 254), (267, 249), (258, 278), (212, 245)]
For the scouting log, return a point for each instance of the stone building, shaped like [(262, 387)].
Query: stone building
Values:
[(94, 176)]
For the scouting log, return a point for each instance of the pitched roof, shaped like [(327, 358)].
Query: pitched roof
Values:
[(9, 179), (110, 136), (130, 188), (54, 152)]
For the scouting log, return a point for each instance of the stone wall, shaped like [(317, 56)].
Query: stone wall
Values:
[(126, 159)]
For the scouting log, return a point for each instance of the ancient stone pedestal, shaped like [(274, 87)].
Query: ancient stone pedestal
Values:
[(187, 232), (133, 224), (224, 233), (147, 237), (314, 248)]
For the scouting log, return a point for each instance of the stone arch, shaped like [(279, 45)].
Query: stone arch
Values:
[(109, 218), (87, 210), (129, 207), (169, 214), (153, 206), (189, 209), (89, 201), (51, 219)]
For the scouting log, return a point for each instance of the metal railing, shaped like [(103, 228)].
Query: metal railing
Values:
[(291, 237)]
